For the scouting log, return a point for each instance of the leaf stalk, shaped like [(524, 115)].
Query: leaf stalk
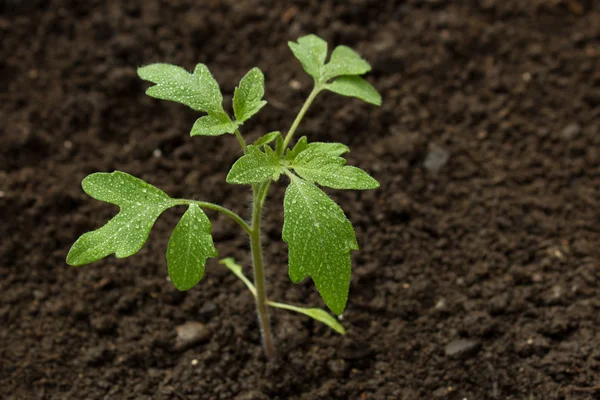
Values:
[(300, 115)]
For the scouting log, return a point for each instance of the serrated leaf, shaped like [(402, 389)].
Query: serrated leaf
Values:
[(247, 99), (212, 125), (311, 50), (255, 167), (266, 139), (344, 61), (329, 149), (330, 171), (189, 246), (298, 148), (140, 205), (315, 313), (199, 90), (320, 238), (355, 86)]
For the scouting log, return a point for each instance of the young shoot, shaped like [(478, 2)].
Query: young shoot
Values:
[(316, 230)]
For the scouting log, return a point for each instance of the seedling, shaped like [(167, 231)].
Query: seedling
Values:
[(318, 234)]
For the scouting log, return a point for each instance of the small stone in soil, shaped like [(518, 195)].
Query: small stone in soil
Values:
[(461, 348), (435, 160), (189, 334), (570, 131), (208, 309)]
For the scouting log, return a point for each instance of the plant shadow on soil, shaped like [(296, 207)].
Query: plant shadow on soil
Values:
[(478, 271)]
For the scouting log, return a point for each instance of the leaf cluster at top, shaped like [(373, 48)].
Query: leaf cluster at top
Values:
[(341, 74)]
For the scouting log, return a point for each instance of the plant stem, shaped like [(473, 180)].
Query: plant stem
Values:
[(259, 194), (259, 271), (300, 115), (211, 206), (240, 139)]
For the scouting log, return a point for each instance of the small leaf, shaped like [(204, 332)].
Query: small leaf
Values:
[(189, 246), (255, 167), (298, 148), (315, 313), (355, 86), (266, 139), (311, 50), (236, 268), (279, 146), (140, 205), (247, 99), (211, 125), (344, 61), (320, 238), (330, 171), (199, 90), (329, 149)]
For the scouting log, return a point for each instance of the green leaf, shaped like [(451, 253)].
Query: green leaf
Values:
[(320, 238), (311, 50), (189, 246), (344, 61), (212, 125), (315, 313), (266, 139), (329, 149), (355, 86), (298, 148), (140, 205), (247, 99), (199, 90), (279, 145), (236, 268), (255, 167), (330, 171)]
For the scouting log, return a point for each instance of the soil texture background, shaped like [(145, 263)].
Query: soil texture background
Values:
[(478, 272)]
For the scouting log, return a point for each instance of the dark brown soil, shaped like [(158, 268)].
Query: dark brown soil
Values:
[(477, 279)]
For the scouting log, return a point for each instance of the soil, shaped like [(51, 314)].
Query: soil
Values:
[(478, 274)]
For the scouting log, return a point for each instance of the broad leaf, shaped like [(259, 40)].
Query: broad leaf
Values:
[(344, 61), (355, 86), (330, 171), (255, 167), (124, 235), (329, 149), (298, 148), (320, 238), (189, 246), (211, 125), (199, 90), (266, 139), (247, 99), (311, 50), (315, 313)]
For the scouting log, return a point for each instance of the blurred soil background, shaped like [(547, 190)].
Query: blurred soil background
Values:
[(478, 272)]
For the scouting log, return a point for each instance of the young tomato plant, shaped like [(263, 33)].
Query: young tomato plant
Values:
[(318, 234)]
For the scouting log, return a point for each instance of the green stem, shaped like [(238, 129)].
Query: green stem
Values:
[(300, 115), (259, 271), (211, 206), (240, 139)]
